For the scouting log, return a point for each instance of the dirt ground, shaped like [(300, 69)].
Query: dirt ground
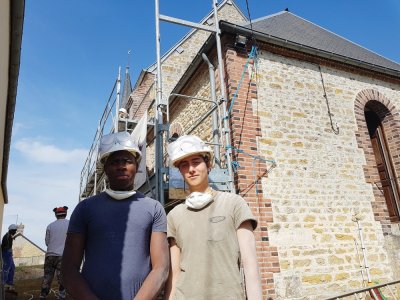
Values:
[(30, 289), (27, 282)]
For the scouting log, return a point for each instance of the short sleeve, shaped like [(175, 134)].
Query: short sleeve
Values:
[(242, 213), (77, 221), (160, 219), (171, 232)]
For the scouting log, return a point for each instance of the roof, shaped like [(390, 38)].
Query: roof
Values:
[(288, 30), (289, 27), (127, 89)]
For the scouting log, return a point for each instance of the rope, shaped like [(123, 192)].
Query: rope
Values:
[(251, 155), (31, 293), (253, 53), (235, 166)]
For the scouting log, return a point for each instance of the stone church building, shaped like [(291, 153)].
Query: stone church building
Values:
[(314, 124)]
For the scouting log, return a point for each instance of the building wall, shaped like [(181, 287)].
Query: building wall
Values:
[(27, 254), (319, 182), (188, 112), (308, 242), (244, 132), (173, 67), (389, 115), (252, 168), (142, 96), (176, 63)]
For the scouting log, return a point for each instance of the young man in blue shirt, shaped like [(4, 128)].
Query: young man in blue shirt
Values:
[(120, 233)]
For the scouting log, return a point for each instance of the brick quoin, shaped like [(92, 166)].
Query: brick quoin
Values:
[(391, 124), (245, 126)]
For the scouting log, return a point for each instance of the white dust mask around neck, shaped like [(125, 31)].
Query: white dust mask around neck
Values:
[(119, 195), (198, 200)]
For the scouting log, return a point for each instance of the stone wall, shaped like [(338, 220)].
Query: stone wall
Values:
[(308, 241), (319, 183), (187, 112), (173, 66), (27, 254), (246, 131)]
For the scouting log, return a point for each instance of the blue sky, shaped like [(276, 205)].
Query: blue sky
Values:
[(71, 52)]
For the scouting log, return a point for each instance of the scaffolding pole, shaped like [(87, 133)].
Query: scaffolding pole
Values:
[(224, 99), (117, 101), (159, 117), (160, 127)]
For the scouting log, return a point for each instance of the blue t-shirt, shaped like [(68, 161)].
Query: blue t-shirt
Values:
[(117, 250)]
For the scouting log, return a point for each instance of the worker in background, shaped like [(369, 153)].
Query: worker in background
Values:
[(120, 232), (209, 234), (7, 256), (56, 232)]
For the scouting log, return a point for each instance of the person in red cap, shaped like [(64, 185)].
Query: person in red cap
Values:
[(56, 232)]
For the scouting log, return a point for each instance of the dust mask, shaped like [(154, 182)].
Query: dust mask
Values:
[(198, 200), (119, 195)]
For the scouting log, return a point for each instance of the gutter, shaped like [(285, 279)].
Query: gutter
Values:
[(236, 29), (17, 11)]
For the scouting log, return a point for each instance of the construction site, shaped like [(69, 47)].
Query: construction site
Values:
[(304, 125)]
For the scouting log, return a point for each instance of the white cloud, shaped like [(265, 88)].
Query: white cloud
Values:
[(39, 152), (50, 178), (32, 205)]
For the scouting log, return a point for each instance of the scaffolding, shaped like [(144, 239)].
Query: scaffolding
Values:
[(162, 106), (164, 178)]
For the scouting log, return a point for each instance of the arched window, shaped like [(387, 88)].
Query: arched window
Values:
[(375, 113), (175, 131)]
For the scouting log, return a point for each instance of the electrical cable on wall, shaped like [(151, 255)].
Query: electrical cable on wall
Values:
[(251, 24), (236, 165), (335, 130), (252, 55), (253, 156)]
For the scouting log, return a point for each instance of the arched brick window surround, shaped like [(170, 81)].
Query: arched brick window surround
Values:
[(390, 119), (176, 130)]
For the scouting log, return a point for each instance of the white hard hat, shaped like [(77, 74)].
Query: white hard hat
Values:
[(12, 227), (185, 146), (118, 141), (123, 111)]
